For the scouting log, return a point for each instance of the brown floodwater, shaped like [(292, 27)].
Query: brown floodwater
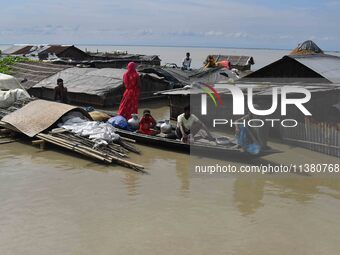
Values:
[(55, 203)]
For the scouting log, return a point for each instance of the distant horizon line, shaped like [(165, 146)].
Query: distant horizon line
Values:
[(163, 46)]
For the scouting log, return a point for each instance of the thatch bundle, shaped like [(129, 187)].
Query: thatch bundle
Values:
[(307, 48)]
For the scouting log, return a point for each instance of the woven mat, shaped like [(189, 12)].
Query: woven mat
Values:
[(38, 116)]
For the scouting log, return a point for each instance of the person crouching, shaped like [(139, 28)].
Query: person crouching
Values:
[(147, 124), (188, 125)]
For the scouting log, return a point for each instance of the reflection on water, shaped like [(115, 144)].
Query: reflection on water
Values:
[(183, 174), (248, 195), (305, 190), (131, 182)]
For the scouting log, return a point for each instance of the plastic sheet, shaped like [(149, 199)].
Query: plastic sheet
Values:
[(100, 133), (7, 98)]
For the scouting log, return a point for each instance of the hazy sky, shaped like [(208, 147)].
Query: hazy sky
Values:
[(215, 23)]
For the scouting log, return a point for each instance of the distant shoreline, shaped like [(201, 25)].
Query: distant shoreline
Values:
[(185, 46), (176, 46)]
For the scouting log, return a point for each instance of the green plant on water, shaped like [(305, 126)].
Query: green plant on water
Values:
[(7, 62)]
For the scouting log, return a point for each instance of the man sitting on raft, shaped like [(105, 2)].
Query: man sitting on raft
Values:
[(188, 125)]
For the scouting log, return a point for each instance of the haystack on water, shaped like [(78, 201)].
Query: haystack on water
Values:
[(306, 48)]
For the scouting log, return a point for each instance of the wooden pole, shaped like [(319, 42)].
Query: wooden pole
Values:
[(90, 152), (73, 148)]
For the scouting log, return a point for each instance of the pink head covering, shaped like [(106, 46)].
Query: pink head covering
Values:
[(131, 73), (131, 67)]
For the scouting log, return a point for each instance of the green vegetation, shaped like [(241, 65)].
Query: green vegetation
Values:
[(7, 62)]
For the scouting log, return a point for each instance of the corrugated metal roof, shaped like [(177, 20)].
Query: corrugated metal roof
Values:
[(57, 49), (34, 72), (34, 50), (131, 57), (327, 66), (17, 50), (91, 81)]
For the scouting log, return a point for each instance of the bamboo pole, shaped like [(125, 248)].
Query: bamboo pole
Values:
[(73, 148), (127, 139), (89, 151), (115, 149)]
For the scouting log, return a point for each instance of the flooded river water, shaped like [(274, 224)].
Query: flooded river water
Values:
[(55, 203)]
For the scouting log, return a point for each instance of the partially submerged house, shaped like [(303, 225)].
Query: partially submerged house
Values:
[(63, 52), (121, 60), (18, 50), (314, 68), (305, 64), (97, 87), (71, 55), (107, 60), (91, 86), (44, 52)]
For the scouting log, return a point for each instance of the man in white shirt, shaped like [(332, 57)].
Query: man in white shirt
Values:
[(189, 125), (186, 64)]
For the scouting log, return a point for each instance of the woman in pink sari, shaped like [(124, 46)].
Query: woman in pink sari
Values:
[(129, 103)]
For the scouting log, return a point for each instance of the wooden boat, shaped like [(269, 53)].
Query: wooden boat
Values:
[(231, 149), (198, 147)]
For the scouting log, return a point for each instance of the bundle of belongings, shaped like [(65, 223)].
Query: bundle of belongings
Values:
[(100, 132), (10, 91)]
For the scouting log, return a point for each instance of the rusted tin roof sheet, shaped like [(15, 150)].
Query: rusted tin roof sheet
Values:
[(18, 50)]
